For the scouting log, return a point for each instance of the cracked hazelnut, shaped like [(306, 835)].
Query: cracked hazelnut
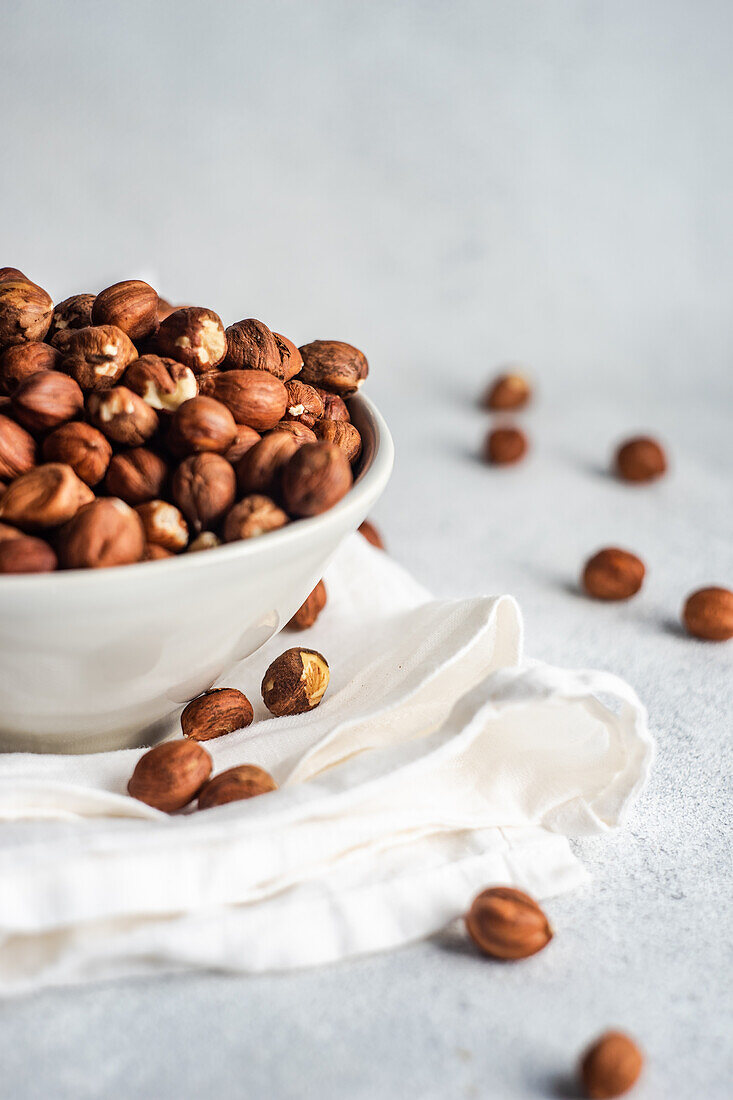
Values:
[(26, 554), (25, 312), (136, 475), (103, 533), (295, 682), (72, 313), (244, 440), (235, 784), (207, 540), (255, 515), (215, 713), (613, 574), (310, 609), (131, 305), (22, 360), (254, 397), (43, 401), (82, 447), (193, 336), (17, 449), (305, 404), (343, 434), (334, 407), (163, 384), (611, 1066), (298, 431), (505, 446), (371, 534), (507, 924), (163, 525), (708, 614), (46, 496), (96, 357), (333, 365), (201, 424), (507, 391), (123, 416), (640, 459), (170, 775), (204, 488), (317, 476), (252, 346), (259, 470)]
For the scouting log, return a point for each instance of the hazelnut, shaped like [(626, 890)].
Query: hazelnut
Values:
[(17, 449), (305, 404), (7, 532), (244, 440), (82, 447), (25, 312), (235, 784), (154, 552), (507, 391), (251, 346), (45, 400), (640, 459), (254, 515), (104, 533), (202, 424), (193, 336), (21, 360), (216, 712), (298, 431), (708, 614), (163, 525), (371, 534), (165, 309), (72, 313), (333, 365), (309, 611), (169, 776), (97, 356), (207, 540), (131, 305), (334, 407), (317, 476), (258, 471), (254, 397), (504, 446), (204, 488), (507, 924), (11, 274), (163, 384), (611, 1066), (343, 434), (295, 682), (46, 496), (613, 574), (123, 416), (26, 555), (136, 476), (291, 359)]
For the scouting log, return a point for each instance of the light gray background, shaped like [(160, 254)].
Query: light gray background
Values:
[(447, 185)]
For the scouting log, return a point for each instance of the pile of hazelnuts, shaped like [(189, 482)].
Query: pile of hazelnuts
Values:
[(131, 430)]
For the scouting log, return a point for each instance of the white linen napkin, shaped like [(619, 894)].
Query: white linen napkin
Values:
[(439, 762)]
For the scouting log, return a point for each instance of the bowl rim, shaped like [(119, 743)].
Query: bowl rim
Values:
[(371, 480)]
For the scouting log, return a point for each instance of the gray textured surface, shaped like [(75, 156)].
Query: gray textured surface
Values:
[(447, 186)]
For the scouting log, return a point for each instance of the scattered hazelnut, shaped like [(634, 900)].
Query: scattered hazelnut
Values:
[(82, 447), (21, 360), (163, 384), (136, 475), (333, 365), (202, 424), (507, 924), (317, 476), (103, 533), (163, 525), (96, 357), (640, 459), (193, 336), (309, 611), (708, 614), (207, 540), (298, 431), (123, 416), (334, 407), (72, 313), (204, 488), (131, 305), (343, 434), (235, 784), (507, 391), (259, 470), (254, 515), (251, 346), (305, 404), (45, 400), (25, 312), (46, 496), (244, 440), (504, 446), (169, 776), (26, 555), (17, 449), (295, 682), (254, 397), (216, 712), (613, 574), (371, 534), (611, 1066)]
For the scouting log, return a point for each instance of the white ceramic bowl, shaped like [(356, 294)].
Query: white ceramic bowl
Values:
[(98, 659)]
